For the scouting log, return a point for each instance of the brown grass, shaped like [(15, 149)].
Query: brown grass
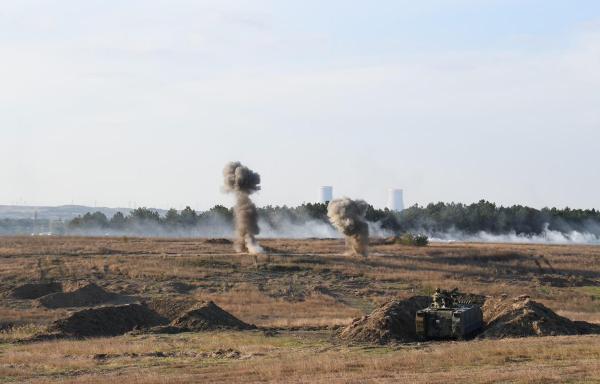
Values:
[(302, 284), (293, 358)]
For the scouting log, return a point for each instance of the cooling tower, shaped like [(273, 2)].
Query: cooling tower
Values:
[(326, 194), (395, 200)]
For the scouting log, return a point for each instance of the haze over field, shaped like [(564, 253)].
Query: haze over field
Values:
[(142, 102), (478, 222)]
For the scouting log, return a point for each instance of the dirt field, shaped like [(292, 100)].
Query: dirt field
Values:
[(298, 295)]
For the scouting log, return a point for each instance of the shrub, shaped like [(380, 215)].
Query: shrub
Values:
[(415, 240)]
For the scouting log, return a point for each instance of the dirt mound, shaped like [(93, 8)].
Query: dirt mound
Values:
[(522, 317), (586, 328), (208, 316), (170, 307), (393, 321), (191, 315), (87, 295), (107, 321), (218, 241), (555, 280), (179, 287), (35, 290)]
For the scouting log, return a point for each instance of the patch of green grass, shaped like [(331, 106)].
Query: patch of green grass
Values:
[(593, 291), (545, 290)]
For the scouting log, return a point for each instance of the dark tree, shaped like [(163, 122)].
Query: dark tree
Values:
[(188, 217), (172, 217), (118, 221), (144, 214)]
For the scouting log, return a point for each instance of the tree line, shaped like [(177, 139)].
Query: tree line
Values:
[(432, 218), (489, 217)]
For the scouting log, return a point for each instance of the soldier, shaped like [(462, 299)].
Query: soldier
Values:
[(446, 299), (438, 299)]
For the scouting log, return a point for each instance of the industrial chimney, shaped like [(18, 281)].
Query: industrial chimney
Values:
[(396, 200), (326, 194)]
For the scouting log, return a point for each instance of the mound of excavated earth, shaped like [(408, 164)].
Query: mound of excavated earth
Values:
[(209, 316), (32, 291), (107, 321), (218, 241), (522, 317), (85, 296), (162, 315), (192, 315), (393, 321), (171, 307)]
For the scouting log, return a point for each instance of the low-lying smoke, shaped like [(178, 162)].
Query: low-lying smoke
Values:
[(242, 181), (547, 236), (348, 216)]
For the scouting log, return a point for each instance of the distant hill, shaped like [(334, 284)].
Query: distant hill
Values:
[(62, 212)]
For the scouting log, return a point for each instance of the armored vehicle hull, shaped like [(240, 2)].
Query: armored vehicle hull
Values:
[(448, 323)]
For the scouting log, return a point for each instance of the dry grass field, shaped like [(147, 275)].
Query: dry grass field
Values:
[(298, 295)]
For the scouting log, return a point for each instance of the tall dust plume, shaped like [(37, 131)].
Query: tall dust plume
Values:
[(242, 181), (348, 216)]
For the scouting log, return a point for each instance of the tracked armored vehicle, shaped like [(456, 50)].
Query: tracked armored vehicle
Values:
[(448, 318)]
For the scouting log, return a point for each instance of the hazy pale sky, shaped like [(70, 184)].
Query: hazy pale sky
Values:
[(144, 101)]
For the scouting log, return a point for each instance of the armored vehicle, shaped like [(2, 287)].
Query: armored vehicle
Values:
[(448, 318)]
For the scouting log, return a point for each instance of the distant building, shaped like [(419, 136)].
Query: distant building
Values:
[(325, 194), (396, 200)]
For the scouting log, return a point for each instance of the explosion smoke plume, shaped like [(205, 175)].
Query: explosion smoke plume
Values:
[(242, 182), (348, 216)]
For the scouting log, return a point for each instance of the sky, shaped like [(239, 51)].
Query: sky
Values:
[(142, 102)]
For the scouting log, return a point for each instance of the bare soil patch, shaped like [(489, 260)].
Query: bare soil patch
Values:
[(85, 296), (32, 291), (179, 287), (218, 241), (555, 280), (170, 307), (107, 321)]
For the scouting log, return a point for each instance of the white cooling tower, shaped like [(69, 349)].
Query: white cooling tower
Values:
[(326, 194), (396, 200)]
